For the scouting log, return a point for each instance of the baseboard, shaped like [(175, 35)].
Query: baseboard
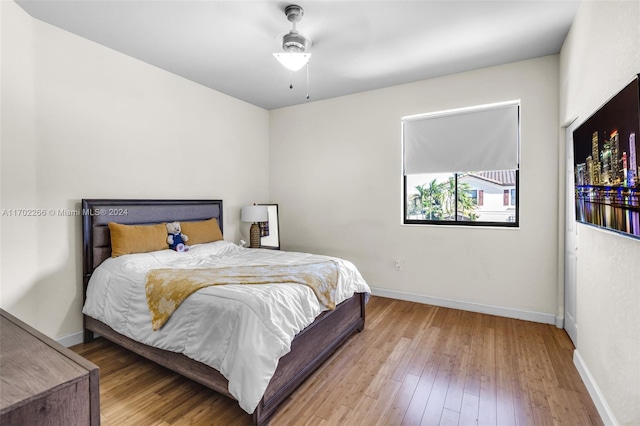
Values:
[(76, 338), (594, 391), (467, 306), (70, 339)]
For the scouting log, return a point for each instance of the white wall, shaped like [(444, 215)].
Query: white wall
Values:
[(336, 174), (83, 121), (599, 57)]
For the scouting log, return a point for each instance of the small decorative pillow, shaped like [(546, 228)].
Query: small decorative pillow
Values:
[(204, 231), (127, 239)]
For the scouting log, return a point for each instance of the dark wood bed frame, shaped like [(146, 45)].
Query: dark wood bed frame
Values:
[(310, 348)]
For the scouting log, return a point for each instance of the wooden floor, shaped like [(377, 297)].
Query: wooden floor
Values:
[(414, 364)]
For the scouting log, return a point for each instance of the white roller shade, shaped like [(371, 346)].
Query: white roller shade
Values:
[(473, 139)]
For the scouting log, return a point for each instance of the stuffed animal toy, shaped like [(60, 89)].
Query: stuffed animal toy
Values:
[(176, 238)]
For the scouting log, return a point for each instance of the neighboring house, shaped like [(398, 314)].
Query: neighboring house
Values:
[(494, 194)]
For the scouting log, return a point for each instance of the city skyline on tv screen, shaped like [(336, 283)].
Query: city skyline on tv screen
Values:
[(606, 145), (607, 164)]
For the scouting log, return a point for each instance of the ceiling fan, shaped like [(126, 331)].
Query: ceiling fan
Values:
[(294, 45)]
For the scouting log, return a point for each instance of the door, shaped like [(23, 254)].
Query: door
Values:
[(570, 242)]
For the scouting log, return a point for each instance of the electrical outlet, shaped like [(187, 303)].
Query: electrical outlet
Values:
[(398, 264)]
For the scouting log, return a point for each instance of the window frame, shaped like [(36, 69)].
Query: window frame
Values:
[(423, 162)]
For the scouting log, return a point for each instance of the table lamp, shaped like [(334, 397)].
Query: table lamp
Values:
[(254, 214)]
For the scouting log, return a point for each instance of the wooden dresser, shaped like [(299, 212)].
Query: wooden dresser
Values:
[(42, 382)]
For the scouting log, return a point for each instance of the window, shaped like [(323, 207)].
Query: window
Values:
[(473, 193), (462, 167)]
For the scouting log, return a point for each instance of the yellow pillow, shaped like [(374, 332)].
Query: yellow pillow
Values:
[(127, 239), (204, 231)]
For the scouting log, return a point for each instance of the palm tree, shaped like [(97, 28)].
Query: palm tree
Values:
[(431, 199), (438, 200), (466, 206), (449, 197), (422, 194), (460, 195)]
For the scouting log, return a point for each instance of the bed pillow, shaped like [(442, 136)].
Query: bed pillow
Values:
[(204, 231), (127, 239)]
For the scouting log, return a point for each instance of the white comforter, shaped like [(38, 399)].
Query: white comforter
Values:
[(240, 330)]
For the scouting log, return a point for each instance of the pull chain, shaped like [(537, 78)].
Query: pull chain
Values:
[(307, 80), (291, 80)]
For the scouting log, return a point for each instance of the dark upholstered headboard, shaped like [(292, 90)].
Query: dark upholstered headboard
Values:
[(96, 215)]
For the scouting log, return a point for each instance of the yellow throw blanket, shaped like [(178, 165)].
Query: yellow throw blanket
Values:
[(166, 289)]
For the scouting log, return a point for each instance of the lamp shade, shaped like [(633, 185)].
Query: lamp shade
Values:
[(254, 214), (293, 60)]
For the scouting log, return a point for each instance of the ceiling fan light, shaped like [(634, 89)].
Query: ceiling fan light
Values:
[(293, 60)]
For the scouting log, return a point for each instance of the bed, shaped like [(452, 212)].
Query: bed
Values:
[(308, 350)]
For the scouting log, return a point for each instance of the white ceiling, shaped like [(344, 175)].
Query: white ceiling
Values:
[(357, 45)]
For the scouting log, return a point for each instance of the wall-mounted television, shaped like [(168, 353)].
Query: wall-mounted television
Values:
[(606, 153)]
